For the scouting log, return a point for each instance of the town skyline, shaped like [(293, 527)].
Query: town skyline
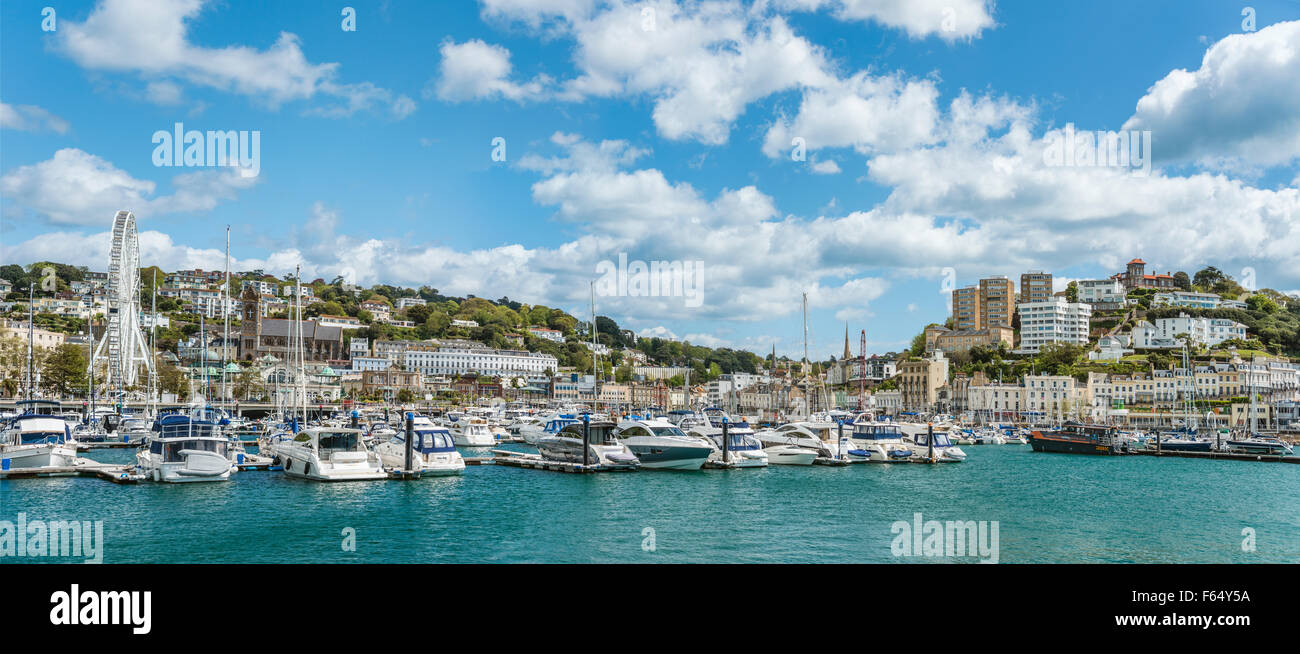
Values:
[(859, 176)]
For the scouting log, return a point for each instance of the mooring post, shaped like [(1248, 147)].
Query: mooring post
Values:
[(929, 437), (356, 421), (410, 436), (726, 446), (839, 439), (586, 439)]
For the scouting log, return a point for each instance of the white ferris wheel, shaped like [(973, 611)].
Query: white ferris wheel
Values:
[(123, 347)]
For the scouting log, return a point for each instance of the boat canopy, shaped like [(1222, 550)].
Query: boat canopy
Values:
[(426, 441)]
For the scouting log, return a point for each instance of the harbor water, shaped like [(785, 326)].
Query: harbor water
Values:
[(1049, 509)]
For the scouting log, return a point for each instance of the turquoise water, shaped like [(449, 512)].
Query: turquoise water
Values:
[(1050, 509)]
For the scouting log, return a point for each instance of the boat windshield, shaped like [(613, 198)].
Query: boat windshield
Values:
[(668, 431), (940, 439), (876, 432), (173, 451), (431, 440), (341, 441)]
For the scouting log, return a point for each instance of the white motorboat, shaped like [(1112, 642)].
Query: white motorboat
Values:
[(602, 447), (548, 425), (661, 445), (820, 437), (184, 449), (743, 449), (472, 432), (883, 441), (134, 430), (1258, 444), (380, 432), (944, 451), (36, 438), (433, 452), (329, 454)]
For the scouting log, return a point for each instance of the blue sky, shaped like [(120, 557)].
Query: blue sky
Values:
[(668, 140)]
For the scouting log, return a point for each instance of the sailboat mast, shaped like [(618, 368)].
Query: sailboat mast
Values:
[(31, 353), (302, 363), (153, 337), (225, 309), (595, 359)]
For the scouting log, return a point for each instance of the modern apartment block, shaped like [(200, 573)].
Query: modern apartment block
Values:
[(991, 303), (1054, 321), (1035, 286), (966, 308)]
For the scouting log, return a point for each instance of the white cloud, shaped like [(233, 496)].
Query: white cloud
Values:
[(475, 70), (947, 19), (1240, 108), (151, 39), (76, 187), (827, 167), (30, 118), (868, 113)]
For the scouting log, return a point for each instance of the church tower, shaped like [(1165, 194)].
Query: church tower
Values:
[(251, 322), (847, 354)]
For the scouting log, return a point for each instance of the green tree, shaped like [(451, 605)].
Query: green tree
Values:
[(64, 370), (1182, 281), (1207, 277)]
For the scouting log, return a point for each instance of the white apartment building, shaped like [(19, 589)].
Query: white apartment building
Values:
[(996, 401), (1100, 291), (404, 302), (461, 359), (1055, 395), (1196, 300), (552, 335), (719, 391), (263, 288), (358, 347), (1054, 321), (288, 290), (364, 364), (1202, 331)]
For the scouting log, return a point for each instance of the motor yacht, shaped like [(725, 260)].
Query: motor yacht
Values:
[(661, 445), (184, 448), (329, 454), (884, 441), (433, 451), (944, 451), (743, 449), (602, 447), (472, 432), (1258, 444)]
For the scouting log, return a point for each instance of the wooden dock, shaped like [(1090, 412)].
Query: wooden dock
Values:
[(536, 462), (116, 473), (1233, 456)]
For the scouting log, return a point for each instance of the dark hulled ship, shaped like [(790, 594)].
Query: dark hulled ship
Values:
[(1076, 438)]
